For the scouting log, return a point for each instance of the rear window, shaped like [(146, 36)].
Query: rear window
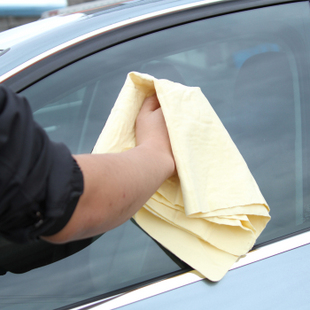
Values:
[(253, 68)]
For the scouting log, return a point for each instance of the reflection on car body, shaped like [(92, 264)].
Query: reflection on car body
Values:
[(251, 60)]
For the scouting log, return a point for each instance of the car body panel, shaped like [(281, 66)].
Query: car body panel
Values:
[(42, 45), (276, 263), (94, 24), (267, 284), (15, 36)]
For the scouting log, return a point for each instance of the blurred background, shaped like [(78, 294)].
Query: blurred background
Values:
[(14, 13)]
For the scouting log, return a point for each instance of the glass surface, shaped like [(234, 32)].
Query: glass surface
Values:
[(253, 68)]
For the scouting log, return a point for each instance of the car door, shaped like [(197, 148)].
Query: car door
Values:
[(252, 65)]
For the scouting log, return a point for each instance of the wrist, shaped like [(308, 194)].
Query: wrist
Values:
[(160, 157)]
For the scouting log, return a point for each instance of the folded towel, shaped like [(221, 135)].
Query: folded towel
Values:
[(212, 212)]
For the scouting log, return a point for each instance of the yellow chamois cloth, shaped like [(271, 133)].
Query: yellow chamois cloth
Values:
[(212, 212)]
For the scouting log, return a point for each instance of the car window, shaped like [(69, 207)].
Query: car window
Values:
[(252, 67)]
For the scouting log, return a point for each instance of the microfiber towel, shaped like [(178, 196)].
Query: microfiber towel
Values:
[(212, 211)]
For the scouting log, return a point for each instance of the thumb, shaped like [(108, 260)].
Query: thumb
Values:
[(150, 104)]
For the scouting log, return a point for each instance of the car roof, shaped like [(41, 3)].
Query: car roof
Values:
[(22, 33), (43, 35), (17, 46)]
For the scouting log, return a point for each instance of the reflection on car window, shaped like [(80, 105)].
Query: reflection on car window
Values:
[(252, 66)]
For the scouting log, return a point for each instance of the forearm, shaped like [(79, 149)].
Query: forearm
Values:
[(46, 194), (115, 187)]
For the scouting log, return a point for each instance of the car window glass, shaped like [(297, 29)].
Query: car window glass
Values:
[(252, 67)]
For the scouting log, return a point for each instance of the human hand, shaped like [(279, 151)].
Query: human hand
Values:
[(151, 131), (116, 185)]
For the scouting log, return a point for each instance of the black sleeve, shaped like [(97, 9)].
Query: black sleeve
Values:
[(40, 182)]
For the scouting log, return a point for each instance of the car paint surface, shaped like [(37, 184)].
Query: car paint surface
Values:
[(278, 282), (40, 43)]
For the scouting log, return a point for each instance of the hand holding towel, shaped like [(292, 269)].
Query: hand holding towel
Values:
[(212, 212)]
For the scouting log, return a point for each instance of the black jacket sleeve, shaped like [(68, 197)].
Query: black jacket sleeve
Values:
[(40, 182)]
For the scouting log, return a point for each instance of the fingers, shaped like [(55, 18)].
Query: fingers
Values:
[(152, 133), (150, 124), (150, 104)]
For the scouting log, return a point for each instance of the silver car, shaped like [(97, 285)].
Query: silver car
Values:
[(251, 59)]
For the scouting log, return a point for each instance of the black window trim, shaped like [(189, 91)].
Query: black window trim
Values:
[(108, 38)]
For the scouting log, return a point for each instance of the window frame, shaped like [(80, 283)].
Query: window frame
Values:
[(83, 46)]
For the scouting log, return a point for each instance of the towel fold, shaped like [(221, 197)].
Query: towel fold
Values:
[(212, 212)]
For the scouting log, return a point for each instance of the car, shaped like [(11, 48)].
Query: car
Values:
[(251, 60)]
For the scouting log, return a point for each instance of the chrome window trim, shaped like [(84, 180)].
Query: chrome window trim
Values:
[(100, 31), (193, 276)]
